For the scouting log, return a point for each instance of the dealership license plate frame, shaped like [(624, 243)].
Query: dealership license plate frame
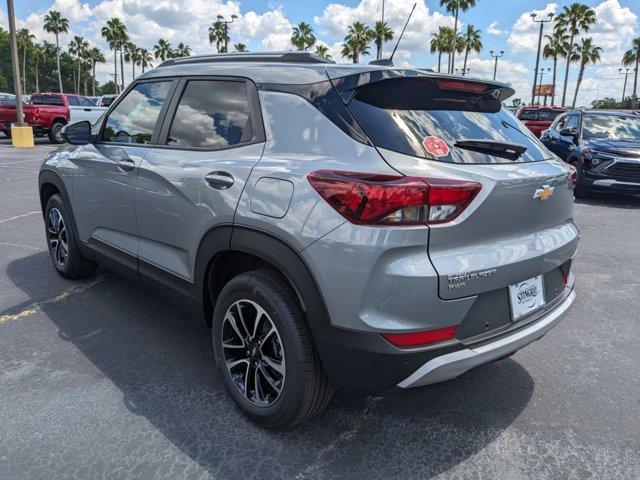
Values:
[(520, 309)]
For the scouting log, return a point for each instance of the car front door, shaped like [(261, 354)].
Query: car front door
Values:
[(107, 170), (191, 183), (566, 143)]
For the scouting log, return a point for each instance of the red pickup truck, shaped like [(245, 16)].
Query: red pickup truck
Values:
[(47, 113), (538, 119)]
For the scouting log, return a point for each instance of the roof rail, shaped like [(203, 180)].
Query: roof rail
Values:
[(262, 57)]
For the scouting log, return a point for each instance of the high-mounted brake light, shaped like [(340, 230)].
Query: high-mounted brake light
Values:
[(445, 84), (387, 200), (415, 339)]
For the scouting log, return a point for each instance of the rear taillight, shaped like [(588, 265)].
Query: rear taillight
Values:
[(416, 339), (462, 86), (373, 199)]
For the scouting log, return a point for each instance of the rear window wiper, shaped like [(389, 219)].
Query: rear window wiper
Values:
[(511, 151)]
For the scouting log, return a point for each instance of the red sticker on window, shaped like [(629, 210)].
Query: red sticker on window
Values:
[(435, 146)]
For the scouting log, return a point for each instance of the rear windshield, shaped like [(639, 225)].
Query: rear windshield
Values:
[(539, 115), (418, 118), (47, 100)]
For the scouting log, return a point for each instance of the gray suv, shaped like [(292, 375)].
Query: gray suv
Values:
[(351, 227)]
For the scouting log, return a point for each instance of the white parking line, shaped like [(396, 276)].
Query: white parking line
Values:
[(19, 216)]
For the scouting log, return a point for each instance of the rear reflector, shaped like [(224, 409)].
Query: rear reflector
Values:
[(565, 278), (462, 86), (387, 200), (415, 339)]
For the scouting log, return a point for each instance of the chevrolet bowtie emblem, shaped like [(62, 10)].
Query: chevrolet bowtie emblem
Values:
[(544, 193)]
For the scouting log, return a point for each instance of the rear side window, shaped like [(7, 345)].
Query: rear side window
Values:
[(211, 114), (134, 118), (47, 100), (420, 119)]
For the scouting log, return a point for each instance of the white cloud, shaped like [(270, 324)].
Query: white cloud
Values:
[(525, 33), (494, 30)]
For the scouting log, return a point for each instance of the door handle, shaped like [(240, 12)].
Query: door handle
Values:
[(126, 164), (219, 180), (87, 109)]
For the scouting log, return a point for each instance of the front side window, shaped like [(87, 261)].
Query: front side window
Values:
[(211, 114), (73, 101), (134, 118), (573, 122), (85, 102)]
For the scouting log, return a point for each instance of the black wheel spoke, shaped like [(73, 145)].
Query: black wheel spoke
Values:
[(255, 360)]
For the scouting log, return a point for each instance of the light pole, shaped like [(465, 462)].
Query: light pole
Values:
[(382, 42), (626, 75), (495, 66), (226, 24), (543, 72), (21, 133), (535, 73)]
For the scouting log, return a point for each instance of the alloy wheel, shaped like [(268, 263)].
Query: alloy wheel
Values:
[(253, 352), (57, 236)]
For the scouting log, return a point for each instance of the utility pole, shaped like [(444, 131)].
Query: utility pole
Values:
[(226, 24), (382, 43), (15, 64), (535, 73), (495, 66), (626, 76)]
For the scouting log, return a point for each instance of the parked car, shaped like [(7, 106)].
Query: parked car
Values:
[(47, 113), (106, 100), (603, 146), (338, 226), (538, 119)]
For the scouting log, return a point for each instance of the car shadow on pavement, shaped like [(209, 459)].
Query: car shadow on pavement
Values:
[(161, 361), (612, 200)]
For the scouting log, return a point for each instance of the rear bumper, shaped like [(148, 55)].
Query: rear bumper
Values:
[(451, 365)]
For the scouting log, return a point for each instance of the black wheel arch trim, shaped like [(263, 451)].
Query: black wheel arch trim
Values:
[(51, 177)]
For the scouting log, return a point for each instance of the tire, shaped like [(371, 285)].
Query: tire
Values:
[(55, 136), (60, 237), (304, 389), (579, 191), (7, 133)]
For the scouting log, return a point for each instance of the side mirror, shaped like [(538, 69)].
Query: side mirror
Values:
[(569, 132), (78, 133)]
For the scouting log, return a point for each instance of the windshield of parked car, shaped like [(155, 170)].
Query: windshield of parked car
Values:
[(611, 127), (539, 115)]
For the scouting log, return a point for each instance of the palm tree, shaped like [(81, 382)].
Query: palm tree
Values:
[(25, 40), (218, 35), (454, 7), (162, 50), (240, 47), (77, 48), (356, 42), (587, 53), (557, 45), (38, 54), (131, 55), (632, 57), (381, 33), (112, 33), (322, 51), (472, 43), (94, 57), (145, 59), (441, 43), (55, 23), (182, 50), (303, 37), (573, 20)]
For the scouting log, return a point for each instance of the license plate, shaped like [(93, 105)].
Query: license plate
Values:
[(526, 297)]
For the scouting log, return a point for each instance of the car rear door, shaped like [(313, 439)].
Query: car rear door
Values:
[(81, 108), (191, 183), (107, 169)]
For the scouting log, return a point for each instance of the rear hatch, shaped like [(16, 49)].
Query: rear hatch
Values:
[(520, 225)]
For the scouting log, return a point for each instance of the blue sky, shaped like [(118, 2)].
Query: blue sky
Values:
[(265, 25)]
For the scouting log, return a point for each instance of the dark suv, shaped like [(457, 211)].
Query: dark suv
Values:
[(603, 146)]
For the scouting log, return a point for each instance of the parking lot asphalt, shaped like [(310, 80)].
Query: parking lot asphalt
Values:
[(100, 378)]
